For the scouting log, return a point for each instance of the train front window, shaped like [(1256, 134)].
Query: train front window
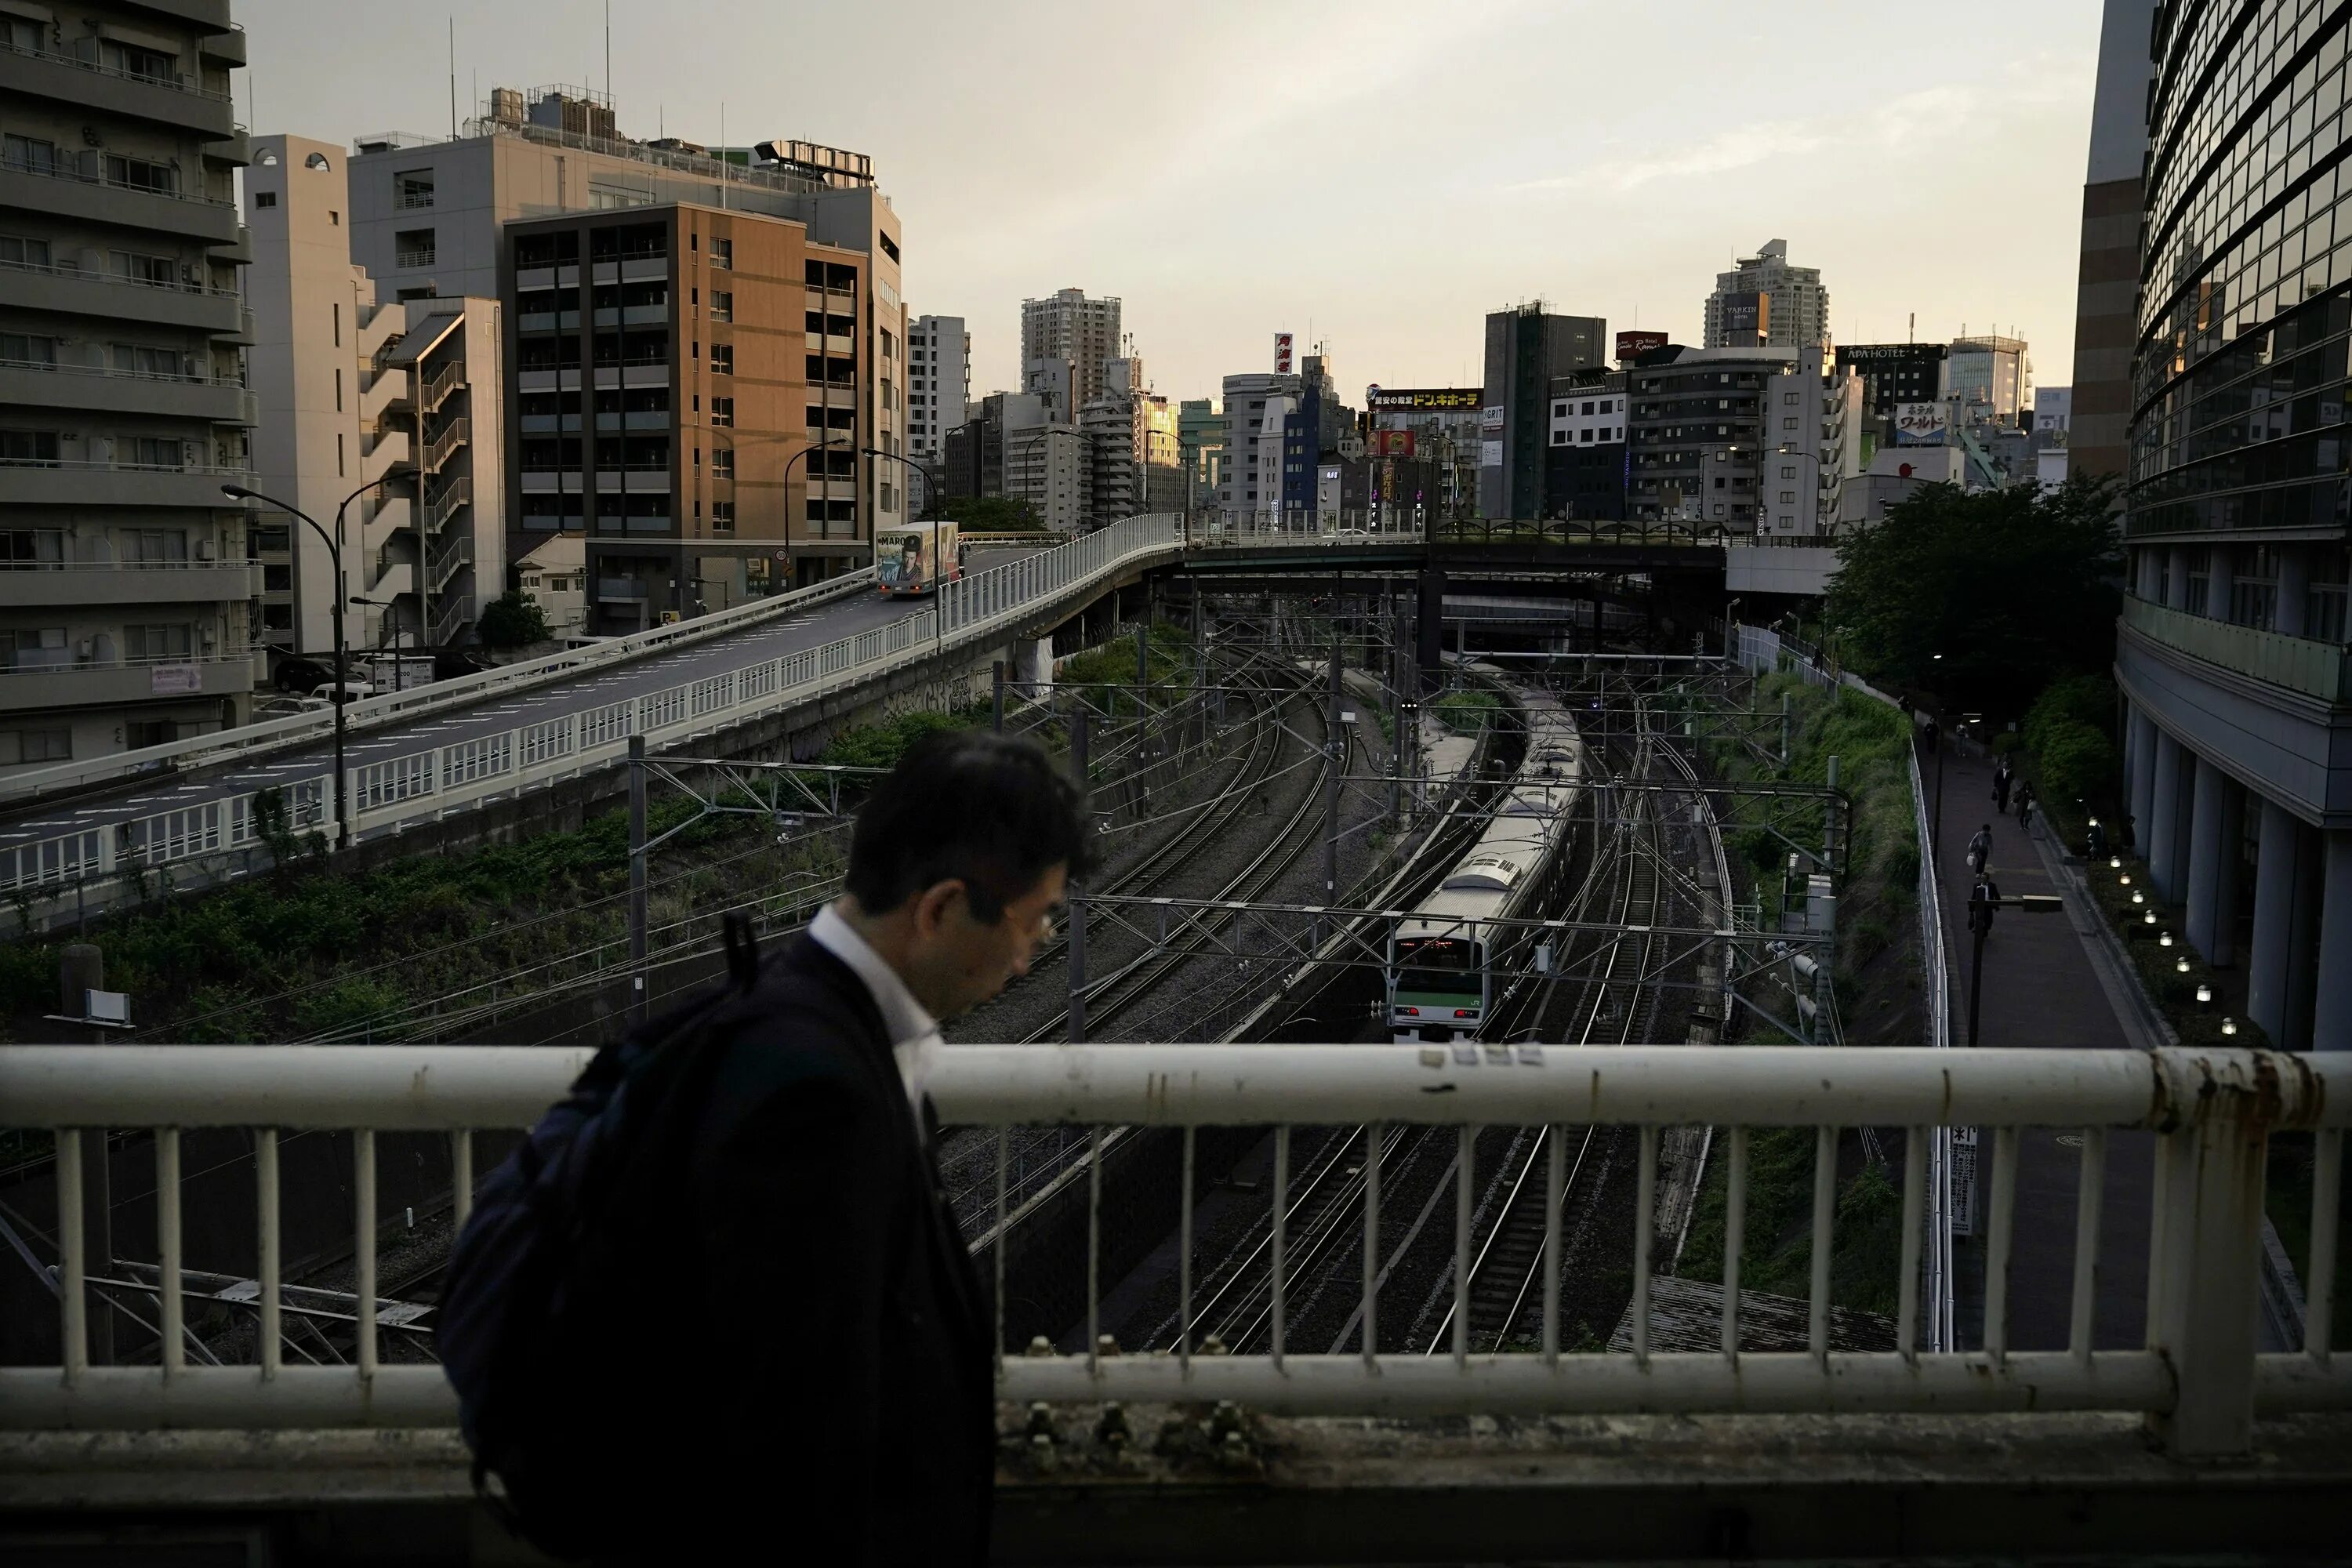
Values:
[(1445, 965)]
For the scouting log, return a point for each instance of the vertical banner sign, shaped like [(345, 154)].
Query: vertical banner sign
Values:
[(1282, 353)]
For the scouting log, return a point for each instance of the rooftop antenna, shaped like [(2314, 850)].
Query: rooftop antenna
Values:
[(722, 155), (453, 77), (608, 53), (1913, 336)]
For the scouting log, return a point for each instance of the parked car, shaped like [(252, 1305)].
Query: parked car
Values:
[(297, 673), (353, 690)]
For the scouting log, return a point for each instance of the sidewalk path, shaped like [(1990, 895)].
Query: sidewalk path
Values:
[(2043, 989)]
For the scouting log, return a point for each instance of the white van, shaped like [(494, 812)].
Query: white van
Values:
[(352, 691)]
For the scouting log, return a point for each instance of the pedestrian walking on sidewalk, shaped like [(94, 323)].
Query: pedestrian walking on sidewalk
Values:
[(2000, 777), (767, 1168), (2025, 807), (1984, 901), (1980, 849)]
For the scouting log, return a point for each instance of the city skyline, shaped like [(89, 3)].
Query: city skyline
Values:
[(1224, 205)]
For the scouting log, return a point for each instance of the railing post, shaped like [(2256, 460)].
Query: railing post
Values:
[(2209, 1212), (640, 996)]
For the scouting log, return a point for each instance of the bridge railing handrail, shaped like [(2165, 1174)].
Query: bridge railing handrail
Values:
[(2196, 1376)]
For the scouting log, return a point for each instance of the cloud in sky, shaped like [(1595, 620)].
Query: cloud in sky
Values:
[(1378, 174)]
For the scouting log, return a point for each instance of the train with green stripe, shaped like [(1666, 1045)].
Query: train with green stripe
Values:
[(1444, 957)]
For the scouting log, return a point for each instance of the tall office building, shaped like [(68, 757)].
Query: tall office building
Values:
[(1746, 440), (1066, 325), (2108, 284), (938, 383), (435, 218), (1989, 380), (688, 401), (407, 395), (1200, 448), (1525, 347), (2230, 653), (127, 617), (1764, 302)]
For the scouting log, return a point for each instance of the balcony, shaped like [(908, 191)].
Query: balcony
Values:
[(543, 481), (620, 590), (225, 47), (67, 584), (548, 321), (216, 399), (69, 291), (555, 424), (636, 419), (179, 102), (2315, 670), (633, 316), (145, 680), (237, 248), (117, 485), (528, 278), (233, 151), (93, 199), (555, 378)]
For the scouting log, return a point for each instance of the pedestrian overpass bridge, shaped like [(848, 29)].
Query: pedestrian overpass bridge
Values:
[(77, 838)]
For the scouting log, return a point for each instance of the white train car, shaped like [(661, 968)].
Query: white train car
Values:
[(1444, 957)]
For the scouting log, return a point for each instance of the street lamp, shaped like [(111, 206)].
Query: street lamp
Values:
[(1982, 902), (334, 544), (786, 482), (399, 668)]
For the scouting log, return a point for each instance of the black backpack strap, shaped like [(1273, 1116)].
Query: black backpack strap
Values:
[(742, 952)]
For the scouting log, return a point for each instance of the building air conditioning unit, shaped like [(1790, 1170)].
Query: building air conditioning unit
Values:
[(204, 549)]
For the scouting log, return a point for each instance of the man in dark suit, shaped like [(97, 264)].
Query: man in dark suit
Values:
[(829, 1307)]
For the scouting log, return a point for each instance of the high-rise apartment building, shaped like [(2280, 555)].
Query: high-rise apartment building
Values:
[(1527, 346), (938, 383), (126, 618), (1794, 307), (1199, 449), (2108, 285), (1746, 440), (1066, 325), (435, 218), (406, 398), (689, 399), (2231, 655)]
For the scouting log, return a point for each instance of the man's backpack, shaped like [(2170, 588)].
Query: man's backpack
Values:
[(542, 1325)]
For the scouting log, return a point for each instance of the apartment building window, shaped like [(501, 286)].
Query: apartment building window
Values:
[(723, 518), (413, 247), (28, 448), (136, 267), (152, 452), (722, 254), (148, 65), (36, 648), (21, 34), (148, 360), (48, 745), (157, 546), (1788, 497), (29, 549), (2325, 591), (16, 251), (722, 305), (722, 411), (723, 359), (722, 464), (413, 189), (157, 642), (29, 153), (265, 198), (142, 174), (28, 348)]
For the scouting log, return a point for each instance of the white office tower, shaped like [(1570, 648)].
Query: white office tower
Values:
[(1764, 302), (938, 383)]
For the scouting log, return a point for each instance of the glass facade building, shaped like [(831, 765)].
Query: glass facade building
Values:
[(2231, 655)]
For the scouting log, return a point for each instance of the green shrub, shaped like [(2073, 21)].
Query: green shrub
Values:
[(2088, 701), (2078, 763)]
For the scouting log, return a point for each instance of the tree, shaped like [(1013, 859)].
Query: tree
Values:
[(2012, 588), (992, 514), (514, 619)]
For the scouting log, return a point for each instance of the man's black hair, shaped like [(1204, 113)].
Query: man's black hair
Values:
[(969, 806)]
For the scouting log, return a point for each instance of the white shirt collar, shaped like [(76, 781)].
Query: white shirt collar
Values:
[(914, 1033)]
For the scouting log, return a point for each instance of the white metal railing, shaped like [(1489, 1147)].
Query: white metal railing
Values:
[(986, 604), (2198, 1376)]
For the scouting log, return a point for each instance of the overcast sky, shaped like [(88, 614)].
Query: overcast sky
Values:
[(1375, 175)]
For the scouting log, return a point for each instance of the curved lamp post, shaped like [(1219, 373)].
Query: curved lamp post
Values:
[(334, 545)]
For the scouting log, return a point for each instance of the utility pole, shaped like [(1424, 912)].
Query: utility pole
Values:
[(640, 997), (1335, 743), (81, 968), (1076, 897)]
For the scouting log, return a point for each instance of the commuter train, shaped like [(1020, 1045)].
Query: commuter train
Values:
[(1441, 959)]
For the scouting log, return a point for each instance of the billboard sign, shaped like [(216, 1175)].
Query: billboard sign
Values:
[(1492, 419), (1282, 353), (1391, 444), (1747, 318), (1882, 354), (174, 679), (1407, 399), (1920, 424), (1633, 346)]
